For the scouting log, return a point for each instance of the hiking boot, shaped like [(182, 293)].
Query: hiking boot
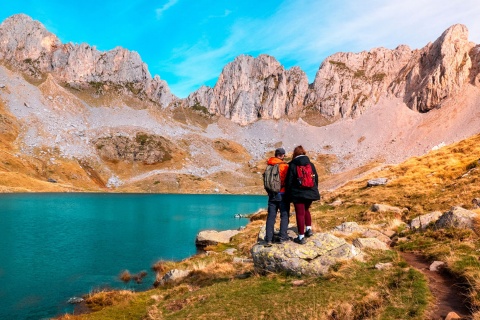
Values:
[(308, 233), (281, 240), (268, 244), (299, 241)]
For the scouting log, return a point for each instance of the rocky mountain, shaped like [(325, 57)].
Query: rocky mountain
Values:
[(28, 47), (346, 84), (73, 118), (252, 88)]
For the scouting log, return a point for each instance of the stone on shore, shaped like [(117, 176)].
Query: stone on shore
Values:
[(212, 237), (321, 251), (172, 276)]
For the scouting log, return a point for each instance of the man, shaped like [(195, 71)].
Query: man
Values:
[(276, 201)]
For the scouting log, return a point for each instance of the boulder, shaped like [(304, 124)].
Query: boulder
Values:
[(457, 217), (371, 233), (383, 266), (370, 243), (348, 228), (421, 222), (172, 276), (377, 182), (436, 265), (321, 251), (452, 315), (386, 208), (336, 203), (212, 237)]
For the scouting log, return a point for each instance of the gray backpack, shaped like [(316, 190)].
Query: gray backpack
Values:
[(271, 179)]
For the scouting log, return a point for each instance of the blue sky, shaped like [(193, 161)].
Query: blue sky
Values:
[(188, 42)]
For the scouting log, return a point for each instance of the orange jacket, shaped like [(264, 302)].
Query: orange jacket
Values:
[(282, 167)]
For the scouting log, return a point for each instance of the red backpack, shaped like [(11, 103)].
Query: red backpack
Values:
[(306, 177)]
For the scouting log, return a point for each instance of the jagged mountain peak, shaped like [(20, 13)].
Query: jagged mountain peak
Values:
[(26, 45)]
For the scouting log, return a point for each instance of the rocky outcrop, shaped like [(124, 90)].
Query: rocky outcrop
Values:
[(321, 251), (378, 207), (349, 83), (251, 88), (457, 217), (346, 84), (212, 237), (170, 277), (377, 182), (145, 148), (423, 221), (436, 72), (26, 45)]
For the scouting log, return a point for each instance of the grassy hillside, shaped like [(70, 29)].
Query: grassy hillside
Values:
[(220, 288)]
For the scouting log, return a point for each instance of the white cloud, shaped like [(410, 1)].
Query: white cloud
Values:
[(165, 7)]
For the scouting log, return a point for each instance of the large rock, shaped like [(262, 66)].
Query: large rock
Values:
[(347, 228), (457, 217), (143, 147), (171, 276), (377, 182), (372, 233), (378, 207), (370, 243), (321, 251), (421, 222), (212, 237)]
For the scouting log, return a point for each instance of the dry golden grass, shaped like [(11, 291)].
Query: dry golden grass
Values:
[(99, 300), (436, 181)]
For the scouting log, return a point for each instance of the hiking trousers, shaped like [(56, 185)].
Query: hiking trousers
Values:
[(302, 213), (276, 203)]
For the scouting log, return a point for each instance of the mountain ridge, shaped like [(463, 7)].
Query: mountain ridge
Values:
[(248, 88), (96, 120)]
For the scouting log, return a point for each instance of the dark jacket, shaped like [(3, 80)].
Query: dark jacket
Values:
[(293, 190)]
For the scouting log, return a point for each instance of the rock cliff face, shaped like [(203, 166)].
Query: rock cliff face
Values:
[(346, 84), (26, 45), (250, 88), (145, 148)]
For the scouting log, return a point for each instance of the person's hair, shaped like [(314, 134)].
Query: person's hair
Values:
[(298, 151)]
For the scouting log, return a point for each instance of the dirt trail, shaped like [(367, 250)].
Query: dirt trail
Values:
[(449, 294)]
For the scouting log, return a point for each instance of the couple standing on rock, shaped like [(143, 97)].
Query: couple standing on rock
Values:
[(299, 184)]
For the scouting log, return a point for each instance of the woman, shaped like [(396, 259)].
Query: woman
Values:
[(301, 188)]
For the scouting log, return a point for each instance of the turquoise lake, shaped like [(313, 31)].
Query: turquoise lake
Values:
[(57, 246)]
